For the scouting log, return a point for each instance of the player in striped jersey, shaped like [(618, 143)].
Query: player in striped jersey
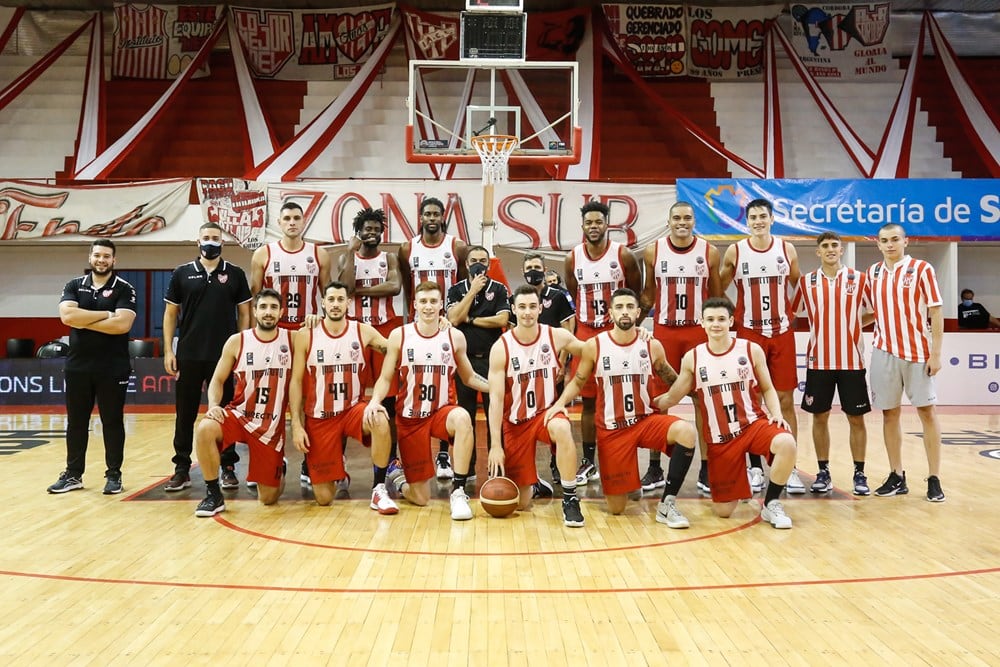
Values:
[(524, 368), (260, 359), (832, 297), (730, 375), (433, 255), (327, 387), (623, 362), (904, 294)]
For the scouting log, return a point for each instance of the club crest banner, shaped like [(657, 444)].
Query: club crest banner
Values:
[(236, 205), (158, 41), (843, 41), (728, 42)]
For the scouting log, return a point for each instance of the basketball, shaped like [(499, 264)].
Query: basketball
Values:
[(499, 497)]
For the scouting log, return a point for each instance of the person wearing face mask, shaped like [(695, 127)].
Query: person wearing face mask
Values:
[(972, 315), (207, 301), (556, 309), (480, 308)]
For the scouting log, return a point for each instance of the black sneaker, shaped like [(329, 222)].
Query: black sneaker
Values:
[(113, 485), (572, 516), (178, 482), (703, 486), (210, 506), (304, 474), (894, 486), (229, 480), (653, 479), (541, 489), (934, 492), (66, 482)]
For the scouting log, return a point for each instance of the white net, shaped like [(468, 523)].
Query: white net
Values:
[(494, 151)]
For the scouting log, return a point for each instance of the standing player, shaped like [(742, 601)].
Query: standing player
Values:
[(425, 358), (260, 359), (832, 296), (904, 294), (765, 269), (681, 271), (594, 269), (327, 387), (623, 364), (434, 255), (524, 367), (730, 375)]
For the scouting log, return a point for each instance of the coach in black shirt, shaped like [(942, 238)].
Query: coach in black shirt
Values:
[(556, 309), (480, 307), (972, 315), (209, 300), (99, 308)]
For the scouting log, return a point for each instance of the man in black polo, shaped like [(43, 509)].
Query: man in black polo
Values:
[(209, 299), (99, 308), (480, 307), (556, 310)]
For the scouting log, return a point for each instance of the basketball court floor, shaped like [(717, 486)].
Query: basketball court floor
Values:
[(88, 579)]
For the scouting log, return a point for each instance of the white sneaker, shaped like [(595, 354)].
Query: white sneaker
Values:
[(667, 512), (756, 477), (381, 502), (443, 468), (794, 485), (460, 508), (774, 514)]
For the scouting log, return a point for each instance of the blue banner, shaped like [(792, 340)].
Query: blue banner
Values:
[(957, 209)]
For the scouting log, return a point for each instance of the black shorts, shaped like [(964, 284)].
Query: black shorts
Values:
[(851, 386)]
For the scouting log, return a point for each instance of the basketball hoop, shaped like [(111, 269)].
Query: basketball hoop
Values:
[(494, 151)]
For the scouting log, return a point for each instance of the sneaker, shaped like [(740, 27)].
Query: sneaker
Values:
[(460, 508), (823, 483), (541, 489), (572, 516), (894, 485), (381, 502), (703, 486), (774, 514), (178, 482), (636, 494), (861, 484), (586, 472), (251, 484), (304, 474), (794, 485), (113, 485), (443, 468), (934, 492), (556, 477), (210, 506), (66, 482), (653, 479), (394, 476), (228, 479), (756, 478), (667, 512), (343, 488)]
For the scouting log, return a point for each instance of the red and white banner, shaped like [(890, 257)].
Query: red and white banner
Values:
[(238, 206), (728, 42), (652, 37), (30, 211), (843, 40), (311, 45), (431, 36), (158, 41)]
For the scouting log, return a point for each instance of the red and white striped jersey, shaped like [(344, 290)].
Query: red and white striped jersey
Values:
[(596, 279), (262, 372), (833, 306), (622, 373), (436, 263), (141, 42), (730, 399), (681, 282), (296, 276), (531, 374), (333, 371), (426, 365), (762, 289), (900, 297), (369, 272)]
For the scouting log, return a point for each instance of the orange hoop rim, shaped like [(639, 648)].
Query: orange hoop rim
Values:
[(504, 141)]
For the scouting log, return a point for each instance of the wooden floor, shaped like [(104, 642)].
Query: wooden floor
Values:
[(88, 579)]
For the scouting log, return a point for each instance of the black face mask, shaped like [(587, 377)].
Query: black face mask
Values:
[(210, 249), (476, 270), (534, 277)]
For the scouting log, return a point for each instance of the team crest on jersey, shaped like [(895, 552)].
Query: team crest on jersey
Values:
[(579, 275), (249, 359), (515, 363), (643, 354), (545, 357), (319, 356), (851, 287), (106, 293), (606, 363), (284, 359), (743, 369), (355, 350), (664, 266), (808, 399), (782, 267), (276, 267), (746, 268), (311, 266), (908, 277), (223, 278), (703, 373), (547, 303), (489, 296), (409, 355)]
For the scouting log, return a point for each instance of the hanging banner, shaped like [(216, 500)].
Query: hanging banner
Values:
[(556, 35), (843, 41), (728, 42), (30, 211), (964, 209), (652, 37), (310, 45), (431, 36), (158, 41), (236, 205)]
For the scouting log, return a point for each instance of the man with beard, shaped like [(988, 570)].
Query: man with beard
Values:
[(260, 359), (327, 387), (209, 299), (99, 308)]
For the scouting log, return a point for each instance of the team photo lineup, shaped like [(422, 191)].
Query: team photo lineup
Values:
[(397, 350)]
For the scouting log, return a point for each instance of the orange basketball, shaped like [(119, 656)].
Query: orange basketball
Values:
[(499, 497)]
